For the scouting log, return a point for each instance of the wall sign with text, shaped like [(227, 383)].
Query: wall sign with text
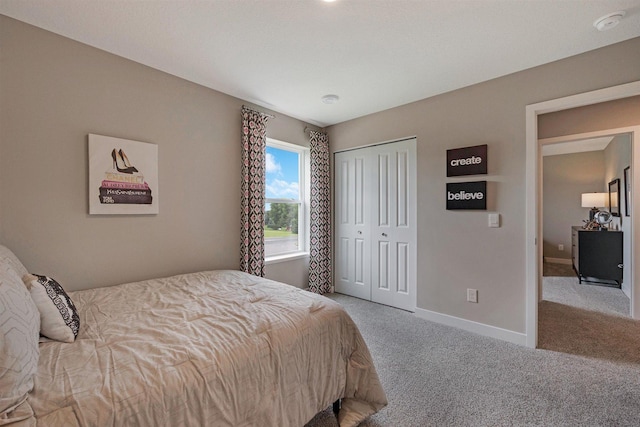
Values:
[(467, 195), (467, 161)]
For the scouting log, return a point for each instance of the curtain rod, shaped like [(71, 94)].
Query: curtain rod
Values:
[(307, 129), (271, 116)]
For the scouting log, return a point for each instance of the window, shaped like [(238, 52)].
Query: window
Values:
[(286, 206)]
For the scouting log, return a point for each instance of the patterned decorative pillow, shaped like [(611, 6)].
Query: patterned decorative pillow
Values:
[(59, 318), (19, 352)]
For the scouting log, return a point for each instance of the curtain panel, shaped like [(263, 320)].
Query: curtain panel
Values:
[(254, 143), (320, 275)]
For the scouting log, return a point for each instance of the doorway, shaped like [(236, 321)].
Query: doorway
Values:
[(534, 199), (576, 167)]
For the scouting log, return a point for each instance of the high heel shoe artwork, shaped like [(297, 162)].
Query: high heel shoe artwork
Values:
[(126, 161), (123, 176), (119, 162), (127, 185)]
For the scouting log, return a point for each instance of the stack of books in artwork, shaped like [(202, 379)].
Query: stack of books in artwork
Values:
[(124, 184)]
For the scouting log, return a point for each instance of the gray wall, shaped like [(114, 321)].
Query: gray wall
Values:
[(456, 250), (54, 92), (590, 118), (565, 178), (617, 156)]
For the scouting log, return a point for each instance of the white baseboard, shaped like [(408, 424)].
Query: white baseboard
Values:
[(557, 260), (475, 327)]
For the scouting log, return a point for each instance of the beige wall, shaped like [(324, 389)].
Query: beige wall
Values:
[(53, 92), (565, 178), (456, 250), (605, 115), (617, 156)]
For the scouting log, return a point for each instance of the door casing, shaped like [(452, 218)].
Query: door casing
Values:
[(533, 196)]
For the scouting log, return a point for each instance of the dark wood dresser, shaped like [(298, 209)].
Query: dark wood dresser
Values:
[(597, 256)]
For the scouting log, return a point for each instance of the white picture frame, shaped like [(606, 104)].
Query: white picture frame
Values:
[(123, 176)]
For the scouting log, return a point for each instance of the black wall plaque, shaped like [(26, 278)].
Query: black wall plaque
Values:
[(467, 161), (467, 195)]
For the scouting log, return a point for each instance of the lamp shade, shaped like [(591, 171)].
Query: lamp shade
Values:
[(594, 200)]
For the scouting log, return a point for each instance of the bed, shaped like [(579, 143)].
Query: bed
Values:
[(214, 348)]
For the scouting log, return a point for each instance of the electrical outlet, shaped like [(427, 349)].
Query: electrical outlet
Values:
[(561, 247), (472, 295)]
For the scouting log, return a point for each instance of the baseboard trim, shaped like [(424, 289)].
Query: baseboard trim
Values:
[(557, 260), (471, 326)]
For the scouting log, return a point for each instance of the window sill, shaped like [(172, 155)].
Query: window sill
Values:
[(285, 257)]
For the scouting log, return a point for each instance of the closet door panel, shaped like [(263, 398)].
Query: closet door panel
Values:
[(383, 266), (397, 187), (375, 192), (353, 253), (402, 253), (382, 178)]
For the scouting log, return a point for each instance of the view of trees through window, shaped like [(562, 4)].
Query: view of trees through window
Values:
[(282, 216), (283, 201)]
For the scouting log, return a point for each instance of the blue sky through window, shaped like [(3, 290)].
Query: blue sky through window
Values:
[(282, 180)]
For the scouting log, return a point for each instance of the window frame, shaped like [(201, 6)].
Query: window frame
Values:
[(303, 203)]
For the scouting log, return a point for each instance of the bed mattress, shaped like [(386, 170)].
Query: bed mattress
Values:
[(216, 348)]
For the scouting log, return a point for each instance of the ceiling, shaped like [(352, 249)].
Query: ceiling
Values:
[(374, 54), (578, 146)]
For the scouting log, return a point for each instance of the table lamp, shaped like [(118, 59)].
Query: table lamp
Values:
[(594, 201)]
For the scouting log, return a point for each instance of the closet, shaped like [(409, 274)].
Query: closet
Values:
[(375, 223)]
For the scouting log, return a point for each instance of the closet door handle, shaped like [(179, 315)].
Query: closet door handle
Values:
[(359, 232), (384, 234)]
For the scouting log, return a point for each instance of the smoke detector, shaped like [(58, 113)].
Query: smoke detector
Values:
[(330, 99), (608, 21)]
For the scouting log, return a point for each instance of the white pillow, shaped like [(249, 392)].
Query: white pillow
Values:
[(19, 328), (58, 316), (8, 260)]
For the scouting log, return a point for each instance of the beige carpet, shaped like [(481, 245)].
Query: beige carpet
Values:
[(588, 333), (586, 371), (585, 319), (560, 285)]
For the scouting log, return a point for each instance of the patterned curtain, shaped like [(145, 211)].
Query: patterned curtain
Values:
[(254, 143), (320, 233)]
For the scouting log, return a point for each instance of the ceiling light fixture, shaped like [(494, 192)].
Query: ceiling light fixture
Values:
[(609, 21), (330, 99)]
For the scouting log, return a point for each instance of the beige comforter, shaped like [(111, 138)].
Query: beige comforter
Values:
[(217, 348)]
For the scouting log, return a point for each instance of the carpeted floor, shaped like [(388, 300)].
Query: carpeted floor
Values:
[(561, 285), (585, 373)]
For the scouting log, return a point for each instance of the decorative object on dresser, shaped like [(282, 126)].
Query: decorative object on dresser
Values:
[(594, 201), (597, 256)]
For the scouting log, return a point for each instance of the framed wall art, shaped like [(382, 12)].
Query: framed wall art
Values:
[(467, 161), (123, 176), (627, 191), (467, 195), (614, 197)]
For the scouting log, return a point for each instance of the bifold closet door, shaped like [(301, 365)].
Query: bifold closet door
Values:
[(375, 223), (393, 225), (352, 245)]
